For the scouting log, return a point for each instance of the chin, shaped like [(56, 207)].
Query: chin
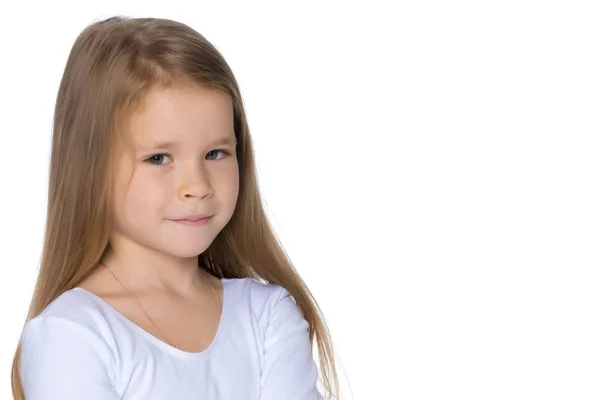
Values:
[(187, 251)]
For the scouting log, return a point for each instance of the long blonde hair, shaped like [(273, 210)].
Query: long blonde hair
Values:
[(112, 65)]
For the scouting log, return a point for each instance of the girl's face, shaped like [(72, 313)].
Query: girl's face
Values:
[(182, 162)]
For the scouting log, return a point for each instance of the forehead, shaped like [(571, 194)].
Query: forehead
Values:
[(181, 113)]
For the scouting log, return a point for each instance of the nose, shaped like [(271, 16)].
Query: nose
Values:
[(194, 182)]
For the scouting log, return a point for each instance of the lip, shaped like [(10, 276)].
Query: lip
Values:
[(194, 220), (194, 217)]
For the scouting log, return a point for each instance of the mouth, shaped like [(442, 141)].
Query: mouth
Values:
[(193, 220)]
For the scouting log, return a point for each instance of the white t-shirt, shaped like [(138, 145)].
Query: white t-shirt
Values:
[(80, 347)]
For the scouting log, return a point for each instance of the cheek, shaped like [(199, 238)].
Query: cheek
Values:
[(230, 190), (139, 197), (147, 192)]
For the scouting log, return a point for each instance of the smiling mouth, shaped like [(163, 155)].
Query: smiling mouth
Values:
[(193, 222)]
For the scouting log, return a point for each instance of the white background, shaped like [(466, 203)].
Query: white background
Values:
[(432, 168)]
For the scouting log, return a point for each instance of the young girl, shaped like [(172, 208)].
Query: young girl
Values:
[(161, 277)]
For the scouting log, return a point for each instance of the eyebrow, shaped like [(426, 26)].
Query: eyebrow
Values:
[(227, 140), (170, 144)]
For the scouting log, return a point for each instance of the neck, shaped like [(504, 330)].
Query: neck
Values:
[(149, 271)]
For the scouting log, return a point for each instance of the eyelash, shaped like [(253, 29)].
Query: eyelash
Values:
[(164, 154)]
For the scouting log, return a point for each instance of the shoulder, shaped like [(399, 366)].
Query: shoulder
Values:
[(269, 304), (287, 369), (74, 315), (252, 286), (77, 306), (68, 349), (255, 293)]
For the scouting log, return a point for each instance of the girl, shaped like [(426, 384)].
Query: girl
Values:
[(161, 277)]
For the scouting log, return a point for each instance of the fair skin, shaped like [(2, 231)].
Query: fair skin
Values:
[(154, 256)]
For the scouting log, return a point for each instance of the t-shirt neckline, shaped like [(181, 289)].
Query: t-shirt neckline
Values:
[(159, 342)]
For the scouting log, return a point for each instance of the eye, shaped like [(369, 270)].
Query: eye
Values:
[(219, 150), (155, 159)]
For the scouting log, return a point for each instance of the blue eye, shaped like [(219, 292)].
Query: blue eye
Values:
[(157, 159), (219, 150), (154, 158)]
